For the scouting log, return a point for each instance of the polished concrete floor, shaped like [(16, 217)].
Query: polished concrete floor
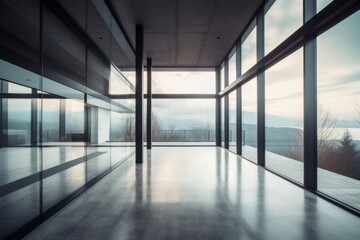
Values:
[(197, 193), (340, 187)]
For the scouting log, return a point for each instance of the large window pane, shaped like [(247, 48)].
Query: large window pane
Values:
[(50, 120), (281, 20), (232, 68), (183, 82), (74, 121), (18, 204), (284, 116), (189, 121), (249, 120), (321, 4), (119, 84), (339, 111), (248, 51), (19, 121), (222, 121), (232, 121), (222, 77)]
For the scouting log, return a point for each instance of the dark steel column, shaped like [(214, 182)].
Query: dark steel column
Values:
[(226, 113), (139, 93), (310, 104), (87, 122), (1, 115), (217, 108), (149, 106), (34, 118), (62, 120), (238, 103), (4, 115), (260, 92)]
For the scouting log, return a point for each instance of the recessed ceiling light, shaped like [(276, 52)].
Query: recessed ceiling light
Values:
[(100, 38), (218, 38)]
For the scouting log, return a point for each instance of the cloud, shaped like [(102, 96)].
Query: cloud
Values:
[(280, 24)]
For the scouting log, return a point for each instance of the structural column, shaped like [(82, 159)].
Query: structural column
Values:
[(260, 92), (4, 114), (62, 120), (310, 104), (149, 107), (226, 110), (139, 66), (239, 142), (217, 108), (34, 118)]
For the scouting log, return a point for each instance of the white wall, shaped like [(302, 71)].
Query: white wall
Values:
[(100, 125)]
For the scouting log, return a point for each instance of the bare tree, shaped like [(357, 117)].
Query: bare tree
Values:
[(172, 136), (326, 126), (155, 127), (326, 123), (129, 129), (357, 110)]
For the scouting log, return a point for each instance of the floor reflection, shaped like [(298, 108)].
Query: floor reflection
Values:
[(198, 193), (35, 179)]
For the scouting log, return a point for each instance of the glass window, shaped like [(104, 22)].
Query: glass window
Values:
[(321, 4), (183, 82), (19, 121), (339, 111), (222, 77), (19, 204), (232, 121), (131, 77), (281, 20), (222, 122), (249, 120), (74, 121), (189, 121), (284, 116), (248, 52), (15, 88), (50, 120), (119, 83), (232, 68)]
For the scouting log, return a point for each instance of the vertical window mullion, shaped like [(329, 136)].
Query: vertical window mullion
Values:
[(261, 89), (310, 104)]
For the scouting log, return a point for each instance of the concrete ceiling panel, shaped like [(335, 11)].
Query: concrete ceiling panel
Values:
[(185, 32)]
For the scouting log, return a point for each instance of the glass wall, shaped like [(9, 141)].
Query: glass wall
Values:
[(336, 52), (248, 51), (249, 120), (183, 121), (232, 67), (180, 115), (222, 77), (60, 130), (222, 128), (284, 116), (232, 121), (321, 4), (194, 82), (339, 111), (281, 23)]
